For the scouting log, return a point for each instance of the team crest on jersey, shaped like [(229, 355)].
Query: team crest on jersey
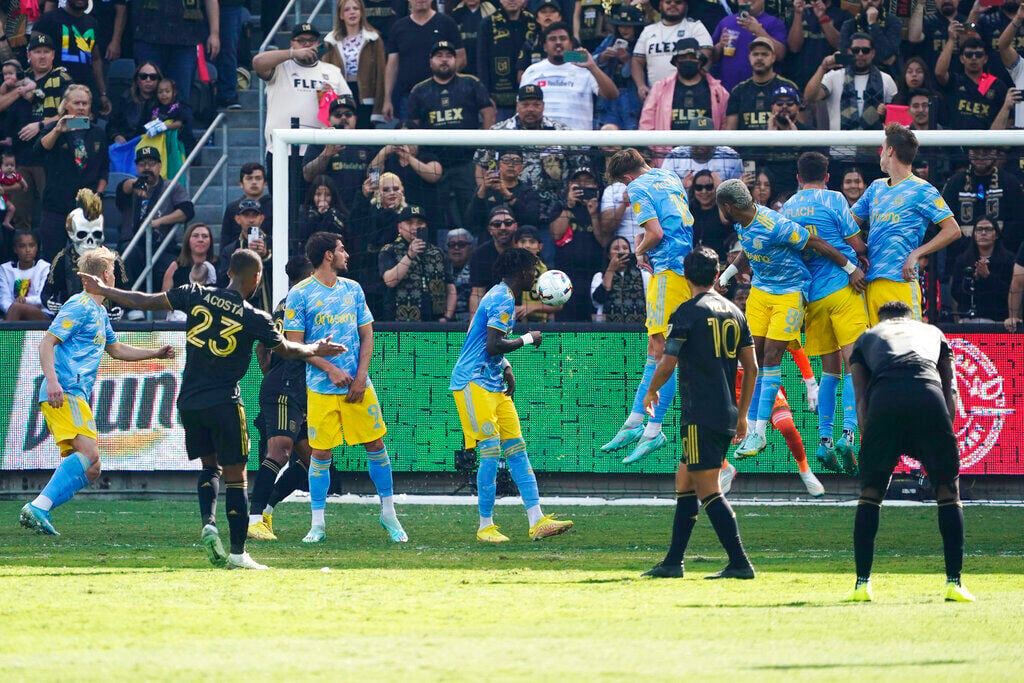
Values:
[(636, 207), (502, 66), (348, 300), (758, 244), (319, 303), (898, 201), (445, 101)]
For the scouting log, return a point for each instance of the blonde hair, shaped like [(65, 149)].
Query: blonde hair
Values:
[(91, 203), (97, 261), (377, 200), (62, 108), (339, 23)]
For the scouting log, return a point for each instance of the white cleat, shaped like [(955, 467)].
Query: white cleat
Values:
[(725, 477), (243, 561), (814, 487)]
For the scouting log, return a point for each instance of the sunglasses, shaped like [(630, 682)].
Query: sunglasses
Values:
[(861, 50), (508, 223), (148, 77), (974, 54), (458, 245), (514, 161), (984, 228), (345, 114), (703, 188)]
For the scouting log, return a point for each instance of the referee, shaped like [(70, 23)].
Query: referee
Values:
[(706, 335), (905, 385)]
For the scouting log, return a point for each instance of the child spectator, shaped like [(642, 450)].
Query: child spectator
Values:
[(168, 111), (21, 280), (10, 180), (203, 274), (529, 307)]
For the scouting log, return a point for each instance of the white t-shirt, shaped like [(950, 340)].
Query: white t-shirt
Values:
[(657, 42), (833, 84), (569, 92), (292, 92), (610, 199), (15, 282), (1017, 74)]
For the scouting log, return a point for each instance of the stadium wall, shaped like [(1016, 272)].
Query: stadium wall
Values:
[(572, 394)]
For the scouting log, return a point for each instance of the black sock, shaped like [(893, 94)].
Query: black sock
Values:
[(238, 515), (293, 478), (265, 478), (682, 526), (865, 528), (951, 526), (724, 520), (208, 489)]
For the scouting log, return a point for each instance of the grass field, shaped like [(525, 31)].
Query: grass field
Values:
[(126, 593)]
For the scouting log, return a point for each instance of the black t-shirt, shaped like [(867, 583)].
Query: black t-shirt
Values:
[(347, 169), (452, 106), (382, 14), (991, 24), (79, 159), (752, 101), (469, 26), (412, 43), (229, 230), (221, 329), (690, 102), (936, 33), (901, 349), (76, 38), (283, 377), (481, 266), (418, 191), (969, 109), (706, 334), (1020, 257)]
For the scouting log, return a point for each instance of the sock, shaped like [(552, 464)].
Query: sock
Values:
[(723, 519), (803, 363), (651, 429), (294, 475), (827, 404), (951, 526), (641, 390), (666, 395), (379, 465), (771, 380), (865, 528), (237, 500), (634, 420), (755, 401), (489, 451), (849, 405), (519, 467), (209, 488), (319, 483), (261, 490), (68, 478), (783, 422), (682, 526), (485, 522), (387, 507)]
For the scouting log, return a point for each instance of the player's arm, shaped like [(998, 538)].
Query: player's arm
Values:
[(262, 357), (949, 232), (54, 392), (127, 352), (316, 351), (358, 386), (1014, 299), (137, 300), (748, 361), (861, 378), (740, 264), (947, 373), (653, 233), (819, 245), (498, 344)]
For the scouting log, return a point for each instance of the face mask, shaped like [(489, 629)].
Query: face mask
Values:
[(688, 69)]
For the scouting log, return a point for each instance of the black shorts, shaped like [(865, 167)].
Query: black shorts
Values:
[(907, 417), (219, 429), (282, 415), (703, 448)]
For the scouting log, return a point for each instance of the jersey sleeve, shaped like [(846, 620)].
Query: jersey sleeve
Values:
[(862, 209), (792, 234), (181, 297), (501, 314), (262, 327), (745, 337), (109, 331), (363, 315), (643, 204), (847, 226), (932, 206), (66, 321), (295, 312)]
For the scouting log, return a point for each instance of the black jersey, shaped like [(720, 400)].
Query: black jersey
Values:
[(283, 377), (901, 349), (221, 329), (706, 334), (752, 101), (690, 102), (454, 105)]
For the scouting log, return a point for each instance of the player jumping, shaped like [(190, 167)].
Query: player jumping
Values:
[(70, 355), (221, 329), (342, 405), (666, 237), (483, 386)]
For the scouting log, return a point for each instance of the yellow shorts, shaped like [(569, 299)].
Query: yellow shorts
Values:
[(332, 421), (73, 418), (665, 292), (835, 321), (880, 292), (485, 413), (775, 316)]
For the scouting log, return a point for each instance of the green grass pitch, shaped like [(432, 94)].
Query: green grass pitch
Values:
[(126, 594)]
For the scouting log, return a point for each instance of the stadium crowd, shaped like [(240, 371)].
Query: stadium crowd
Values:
[(424, 225)]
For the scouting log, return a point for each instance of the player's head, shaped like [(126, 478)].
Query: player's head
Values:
[(517, 267), (701, 267), (891, 310), (900, 146), (625, 166), (740, 294), (99, 262), (812, 167), (245, 270), (733, 199), (298, 268), (326, 248)]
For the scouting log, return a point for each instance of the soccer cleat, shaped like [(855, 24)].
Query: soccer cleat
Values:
[(955, 592), (844, 448), (260, 532), (814, 487), (243, 561), (316, 534), (549, 526), (725, 478), (268, 519), (214, 547), (645, 448), (490, 534), (394, 529), (36, 519), (624, 438), (753, 444), (665, 571), (828, 460), (862, 593), (730, 572)]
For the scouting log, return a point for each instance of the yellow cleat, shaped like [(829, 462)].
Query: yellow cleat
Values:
[(860, 593), (490, 534), (261, 531), (549, 526), (957, 593), (268, 519)]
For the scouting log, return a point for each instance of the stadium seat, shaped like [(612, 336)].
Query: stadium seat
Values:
[(119, 77), (113, 180)]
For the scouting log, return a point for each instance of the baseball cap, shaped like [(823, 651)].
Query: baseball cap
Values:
[(686, 46), (343, 102), (304, 29), (785, 91), (527, 231), (147, 152), (702, 123), (500, 209), (412, 211), (548, 3), (442, 45), (248, 205), (40, 40), (582, 170), (761, 40), (627, 15), (530, 92)]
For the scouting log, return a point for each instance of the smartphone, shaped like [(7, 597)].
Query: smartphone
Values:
[(421, 234), (254, 234), (844, 58), (621, 42), (374, 175), (588, 193), (750, 167), (576, 56), (79, 123), (744, 9)]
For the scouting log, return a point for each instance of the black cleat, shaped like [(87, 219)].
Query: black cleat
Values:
[(730, 572), (665, 571)]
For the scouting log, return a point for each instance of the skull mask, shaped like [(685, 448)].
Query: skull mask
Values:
[(86, 235)]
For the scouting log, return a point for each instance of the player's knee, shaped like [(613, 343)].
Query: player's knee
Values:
[(374, 446), (279, 449), (870, 495), (947, 493), (656, 346), (512, 447)]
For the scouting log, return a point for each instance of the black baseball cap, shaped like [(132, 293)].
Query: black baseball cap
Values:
[(548, 3), (528, 231), (305, 29), (686, 46), (40, 40), (582, 170), (498, 210), (530, 92), (442, 45), (627, 15), (248, 205), (412, 211), (343, 102), (147, 152)]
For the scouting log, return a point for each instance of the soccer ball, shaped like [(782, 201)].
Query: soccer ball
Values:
[(554, 287)]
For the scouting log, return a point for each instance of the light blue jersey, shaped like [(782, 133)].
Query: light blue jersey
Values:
[(772, 243), (897, 216), (659, 194), (498, 310), (83, 328), (826, 214), (320, 311)]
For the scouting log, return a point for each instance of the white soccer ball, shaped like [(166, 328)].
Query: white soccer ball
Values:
[(554, 288)]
